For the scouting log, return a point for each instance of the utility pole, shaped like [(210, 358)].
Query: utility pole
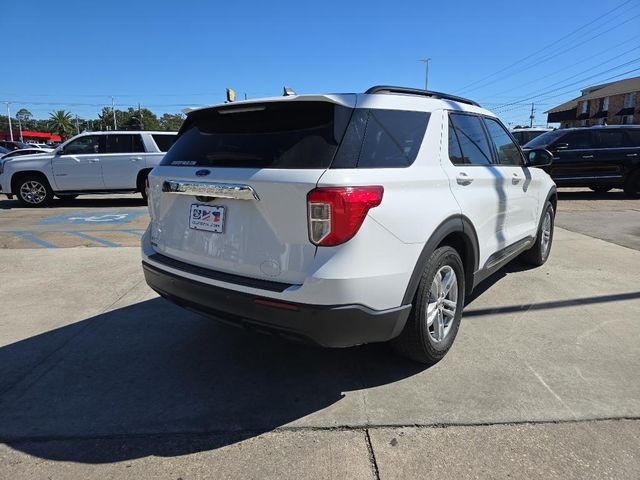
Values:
[(140, 117), (426, 73), (113, 110), (532, 116), (77, 126), (20, 127), (9, 117)]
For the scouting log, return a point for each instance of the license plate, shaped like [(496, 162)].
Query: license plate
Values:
[(207, 217)]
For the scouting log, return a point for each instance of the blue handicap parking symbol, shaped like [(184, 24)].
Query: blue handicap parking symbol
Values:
[(93, 218)]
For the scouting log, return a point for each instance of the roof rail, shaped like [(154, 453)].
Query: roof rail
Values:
[(418, 91)]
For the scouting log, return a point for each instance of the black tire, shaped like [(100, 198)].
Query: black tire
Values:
[(632, 186), (539, 253), (417, 342), (601, 189), (33, 191), (143, 184), (66, 198)]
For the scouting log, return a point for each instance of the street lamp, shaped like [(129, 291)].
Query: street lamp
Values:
[(9, 117), (426, 73)]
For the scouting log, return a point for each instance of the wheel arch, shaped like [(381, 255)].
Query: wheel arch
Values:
[(458, 232), (17, 176), (143, 173)]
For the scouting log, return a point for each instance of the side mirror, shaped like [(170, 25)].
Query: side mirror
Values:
[(561, 146), (539, 157), (59, 151)]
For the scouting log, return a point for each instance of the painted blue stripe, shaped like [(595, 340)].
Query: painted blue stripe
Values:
[(106, 243), (36, 240)]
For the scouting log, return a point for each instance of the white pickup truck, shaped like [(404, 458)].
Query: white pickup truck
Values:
[(89, 163)]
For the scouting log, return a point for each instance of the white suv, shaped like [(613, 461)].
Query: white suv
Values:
[(93, 162), (344, 219)]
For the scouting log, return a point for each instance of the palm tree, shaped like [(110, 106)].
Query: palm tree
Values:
[(60, 122)]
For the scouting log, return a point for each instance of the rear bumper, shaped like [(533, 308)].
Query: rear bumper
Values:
[(325, 325)]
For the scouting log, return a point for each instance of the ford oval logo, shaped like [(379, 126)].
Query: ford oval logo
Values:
[(203, 173)]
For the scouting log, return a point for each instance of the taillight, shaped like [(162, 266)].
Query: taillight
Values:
[(336, 213)]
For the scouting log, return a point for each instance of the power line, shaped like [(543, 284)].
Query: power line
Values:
[(590, 58), (518, 62), (533, 97)]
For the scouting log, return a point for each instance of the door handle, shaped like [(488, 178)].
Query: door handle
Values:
[(632, 154), (587, 156), (136, 159), (463, 179), (516, 179), (94, 160)]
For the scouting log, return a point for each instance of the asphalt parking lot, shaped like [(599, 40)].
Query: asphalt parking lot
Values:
[(100, 378)]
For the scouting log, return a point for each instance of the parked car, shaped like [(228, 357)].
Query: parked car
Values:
[(13, 145), (524, 135), (4, 150), (601, 158), (24, 151), (90, 163), (42, 146), (344, 219)]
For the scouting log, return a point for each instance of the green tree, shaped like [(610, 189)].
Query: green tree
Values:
[(61, 124), (140, 119), (171, 121), (24, 116)]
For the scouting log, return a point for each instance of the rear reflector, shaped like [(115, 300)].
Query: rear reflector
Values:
[(335, 214), (275, 304)]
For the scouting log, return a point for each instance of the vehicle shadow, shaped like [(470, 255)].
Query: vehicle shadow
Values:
[(82, 202), (588, 194), (153, 369)]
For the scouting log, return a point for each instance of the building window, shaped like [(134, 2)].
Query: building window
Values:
[(627, 119), (585, 107), (604, 104), (583, 123), (629, 100)]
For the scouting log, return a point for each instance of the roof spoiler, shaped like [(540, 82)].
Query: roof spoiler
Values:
[(418, 91)]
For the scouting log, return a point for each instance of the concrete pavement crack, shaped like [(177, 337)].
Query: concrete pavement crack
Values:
[(372, 455)]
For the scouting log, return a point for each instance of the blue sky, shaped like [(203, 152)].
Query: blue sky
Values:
[(168, 55)]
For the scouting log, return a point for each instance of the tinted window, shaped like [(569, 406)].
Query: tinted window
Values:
[(455, 154), (124, 143), (382, 139), (270, 135), (544, 140), (508, 153), (164, 142), (634, 134), (611, 138), (473, 141), (576, 140), (89, 144)]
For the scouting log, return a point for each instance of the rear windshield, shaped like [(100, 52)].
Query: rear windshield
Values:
[(271, 135)]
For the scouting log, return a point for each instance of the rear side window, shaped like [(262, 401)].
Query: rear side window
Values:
[(124, 143), (285, 135), (163, 141), (634, 135), (382, 139), (508, 152), (576, 140), (611, 138), (473, 141)]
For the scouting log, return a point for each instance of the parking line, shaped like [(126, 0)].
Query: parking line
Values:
[(133, 232), (106, 243), (36, 240)]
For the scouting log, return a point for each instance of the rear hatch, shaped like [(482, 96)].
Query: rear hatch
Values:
[(230, 195)]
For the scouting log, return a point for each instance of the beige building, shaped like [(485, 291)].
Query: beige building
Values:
[(615, 103)]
